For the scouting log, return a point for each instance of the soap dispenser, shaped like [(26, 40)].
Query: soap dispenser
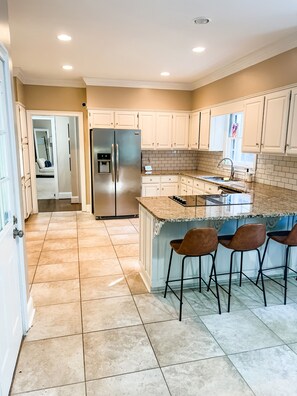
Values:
[(249, 176)]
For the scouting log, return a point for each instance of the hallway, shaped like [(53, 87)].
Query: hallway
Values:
[(97, 331)]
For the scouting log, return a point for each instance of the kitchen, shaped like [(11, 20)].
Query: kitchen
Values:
[(276, 169)]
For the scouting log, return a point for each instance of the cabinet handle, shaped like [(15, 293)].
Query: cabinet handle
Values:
[(257, 144)]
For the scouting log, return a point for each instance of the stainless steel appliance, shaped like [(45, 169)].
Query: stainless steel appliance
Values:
[(116, 172), (213, 200)]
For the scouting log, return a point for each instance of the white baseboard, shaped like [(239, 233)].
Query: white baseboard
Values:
[(88, 208), (30, 313), (75, 200), (64, 195)]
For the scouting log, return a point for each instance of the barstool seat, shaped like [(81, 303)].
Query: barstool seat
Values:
[(198, 242), (247, 238), (288, 239)]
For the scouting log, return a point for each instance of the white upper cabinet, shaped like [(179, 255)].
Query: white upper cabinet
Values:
[(252, 125), (164, 131), (292, 127), (22, 123), (194, 131), (113, 119), (180, 131), (204, 129), (147, 124), (275, 122)]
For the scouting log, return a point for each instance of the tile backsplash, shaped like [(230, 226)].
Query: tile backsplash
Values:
[(170, 160)]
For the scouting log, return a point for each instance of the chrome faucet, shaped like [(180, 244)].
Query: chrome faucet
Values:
[(232, 166)]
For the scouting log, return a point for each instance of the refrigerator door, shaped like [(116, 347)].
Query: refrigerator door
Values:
[(128, 171), (103, 172)]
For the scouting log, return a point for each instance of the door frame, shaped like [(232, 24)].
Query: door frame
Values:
[(51, 113)]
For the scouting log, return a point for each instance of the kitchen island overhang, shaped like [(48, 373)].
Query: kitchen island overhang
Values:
[(162, 220)]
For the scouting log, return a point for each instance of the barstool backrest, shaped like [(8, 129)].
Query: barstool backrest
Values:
[(291, 239), (248, 237), (199, 241)]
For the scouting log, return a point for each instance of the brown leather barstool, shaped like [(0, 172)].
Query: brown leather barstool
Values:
[(288, 239), (198, 242), (247, 238)]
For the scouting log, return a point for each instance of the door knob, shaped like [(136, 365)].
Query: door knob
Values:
[(18, 233)]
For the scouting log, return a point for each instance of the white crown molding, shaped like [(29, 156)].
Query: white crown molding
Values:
[(261, 55), (137, 84)]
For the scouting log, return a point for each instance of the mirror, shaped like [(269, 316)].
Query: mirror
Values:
[(43, 145)]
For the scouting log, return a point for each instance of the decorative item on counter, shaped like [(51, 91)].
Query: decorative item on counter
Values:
[(249, 176), (148, 169)]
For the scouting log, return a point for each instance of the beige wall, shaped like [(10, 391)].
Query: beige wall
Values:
[(273, 73), (19, 91), (138, 98)]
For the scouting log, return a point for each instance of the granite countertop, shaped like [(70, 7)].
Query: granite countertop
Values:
[(268, 201)]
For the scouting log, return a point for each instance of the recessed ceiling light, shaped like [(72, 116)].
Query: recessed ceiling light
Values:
[(64, 37), (67, 67), (165, 74), (202, 20), (198, 49)]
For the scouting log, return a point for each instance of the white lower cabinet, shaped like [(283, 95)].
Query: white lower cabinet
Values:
[(169, 185), (27, 197), (154, 186)]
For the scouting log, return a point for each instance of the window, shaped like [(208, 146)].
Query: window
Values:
[(234, 143)]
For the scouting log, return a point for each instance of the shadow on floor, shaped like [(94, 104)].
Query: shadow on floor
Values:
[(57, 205)]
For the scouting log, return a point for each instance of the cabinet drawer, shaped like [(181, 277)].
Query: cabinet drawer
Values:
[(169, 179), (150, 179), (199, 184), (187, 180), (211, 188)]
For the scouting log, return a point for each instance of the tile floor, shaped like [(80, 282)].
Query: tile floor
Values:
[(98, 332)]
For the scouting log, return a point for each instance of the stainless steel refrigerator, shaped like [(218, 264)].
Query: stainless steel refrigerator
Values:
[(116, 171)]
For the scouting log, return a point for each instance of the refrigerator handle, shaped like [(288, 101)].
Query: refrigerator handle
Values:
[(112, 162), (117, 162)]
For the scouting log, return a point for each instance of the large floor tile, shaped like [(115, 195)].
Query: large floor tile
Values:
[(96, 241), (56, 272), (93, 253), (156, 308), (145, 383), (240, 331), (136, 283), (90, 223), (34, 246), (55, 292), (90, 232), (33, 258), (48, 363), (216, 376), (63, 219), (31, 273), (129, 229), (104, 287), (34, 235), (130, 250), (55, 321), (179, 342), (64, 214), (60, 244), (294, 347), (67, 390), (114, 352), (61, 234), (36, 227), (269, 371), (61, 256), (99, 267), (64, 225), (109, 313), (117, 223), (130, 264), (124, 239), (281, 319)]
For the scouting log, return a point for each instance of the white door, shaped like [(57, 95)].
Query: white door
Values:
[(10, 248), (181, 130), (252, 126), (164, 131)]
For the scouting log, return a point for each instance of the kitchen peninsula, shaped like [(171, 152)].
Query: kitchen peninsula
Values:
[(162, 219)]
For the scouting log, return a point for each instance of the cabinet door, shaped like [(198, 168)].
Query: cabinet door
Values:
[(275, 122), (252, 125), (151, 190), (24, 198), (147, 124), (126, 119), (28, 191), (204, 130), (169, 189), (180, 131), (183, 189), (26, 161), (164, 131), (101, 119), (292, 128), (194, 131)]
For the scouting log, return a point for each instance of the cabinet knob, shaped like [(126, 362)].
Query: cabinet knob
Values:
[(257, 144)]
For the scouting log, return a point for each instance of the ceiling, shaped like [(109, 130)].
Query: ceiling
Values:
[(130, 42)]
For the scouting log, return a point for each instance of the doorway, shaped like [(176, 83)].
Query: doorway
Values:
[(57, 159)]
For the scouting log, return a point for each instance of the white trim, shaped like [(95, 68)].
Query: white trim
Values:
[(73, 83), (64, 195), (30, 313), (34, 113), (74, 199), (88, 208)]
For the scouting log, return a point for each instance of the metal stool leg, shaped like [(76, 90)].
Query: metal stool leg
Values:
[(241, 262), (181, 289), (230, 280), (286, 274), (199, 274), (262, 279), (216, 281), (262, 261), (169, 267)]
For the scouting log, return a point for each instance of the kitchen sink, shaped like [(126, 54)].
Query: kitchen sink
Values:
[(219, 179)]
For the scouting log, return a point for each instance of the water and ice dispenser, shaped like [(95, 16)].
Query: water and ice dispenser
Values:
[(104, 162)]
